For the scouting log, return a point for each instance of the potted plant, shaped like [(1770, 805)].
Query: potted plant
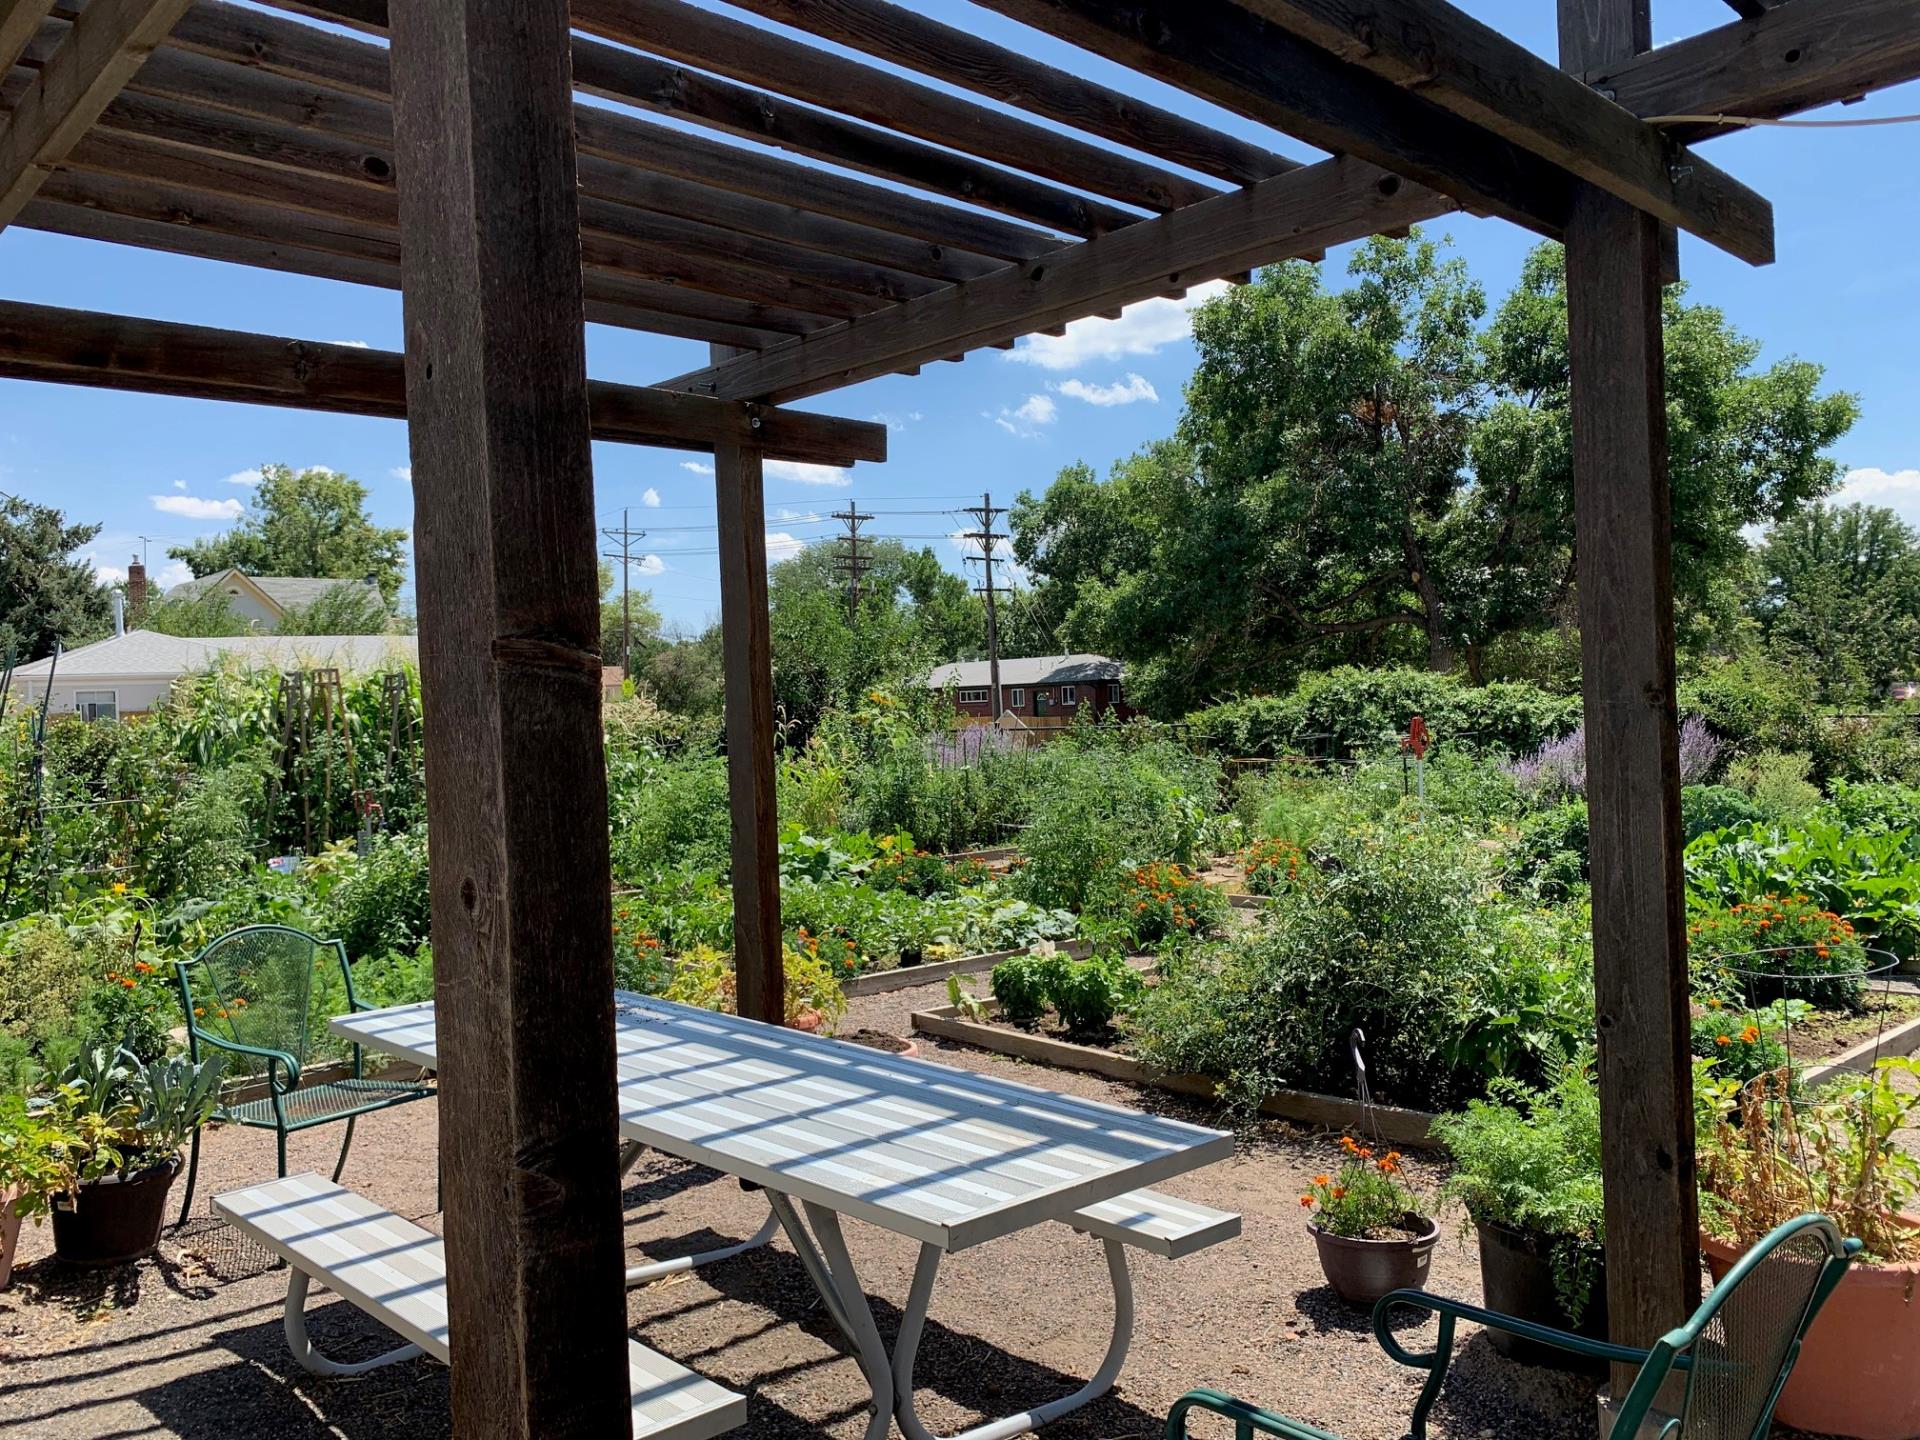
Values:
[(1371, 1231), (815, 1001), (1764, 1154), (1527, 1169), (127, 1122), (35, 1165)]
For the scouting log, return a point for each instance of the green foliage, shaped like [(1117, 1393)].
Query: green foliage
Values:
[(311, 522), (1023, 986), (1548, 859), (1530, 1160), (1362, 1200), (671, 815), (1273, 867), (1156, 902), (1089, 993), (47, 592), (197, 615), (1778, 946), (395, 978), (349, 608), (1777, 783), (1743, 1042), (1714, 807), (1839, 598), (378, 903)]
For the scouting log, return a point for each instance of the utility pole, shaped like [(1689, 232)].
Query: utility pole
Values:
[(625, 535), (985, 513), (855, 562)]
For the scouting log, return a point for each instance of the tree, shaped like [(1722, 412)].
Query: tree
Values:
[(45, 593), (614, 620), (311, 522), (1838, 590), (1381, 474), (349, 608), (198, 616)]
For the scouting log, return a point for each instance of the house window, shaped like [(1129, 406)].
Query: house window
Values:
[(96, 704), (1113, 694), (1067, 696), (973, 697), (1016, 699)]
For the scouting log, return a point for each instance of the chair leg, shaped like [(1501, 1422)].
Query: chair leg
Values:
[(193, 1174), (280, 1136), (345, 1145)]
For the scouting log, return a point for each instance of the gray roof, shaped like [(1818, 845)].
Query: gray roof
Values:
[(286, 591), (147, 654), (1033, 670)]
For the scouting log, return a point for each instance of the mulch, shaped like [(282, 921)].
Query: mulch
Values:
[(188, 1343)]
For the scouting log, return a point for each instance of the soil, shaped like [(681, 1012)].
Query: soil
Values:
[(189, 1344), (1825, 1033), (876, 1039)]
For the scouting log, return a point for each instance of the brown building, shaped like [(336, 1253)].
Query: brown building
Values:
[(1043, 692)]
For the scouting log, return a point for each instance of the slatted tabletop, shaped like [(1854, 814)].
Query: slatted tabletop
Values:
[(945, 1156)]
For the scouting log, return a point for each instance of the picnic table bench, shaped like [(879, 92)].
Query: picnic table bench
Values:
[(947, 1157)]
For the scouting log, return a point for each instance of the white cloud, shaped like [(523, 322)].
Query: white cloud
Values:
[(650, 564), (893, 420), (797, 473), (1122, 392), (194, 507), (698, 467), (168, 576), (1898, 490), (245, 477), (1140, 330), (403, 473), (108, 574), (650, 498), (179, 484), (1025, 419), (782, 546)]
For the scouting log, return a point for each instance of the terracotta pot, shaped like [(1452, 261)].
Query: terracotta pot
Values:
[(1858, 1373), (9, 1236), (1361, 1271), (114, 1219), (1516, 1278), (808, 1020)]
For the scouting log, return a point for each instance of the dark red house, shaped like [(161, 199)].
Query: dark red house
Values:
[(1043, 692)]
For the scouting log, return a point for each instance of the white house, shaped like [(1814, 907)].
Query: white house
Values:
[(262, 600), (131, 673)]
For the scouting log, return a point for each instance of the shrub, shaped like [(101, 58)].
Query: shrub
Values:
[(1777, 783), (43, 977), (675, 815), (1714, 807), (1742, 1042), (1273, 867), (1870, 877), (1548, 858), (380, 903), (1875, 805), (1089, 993), (1559, 768), (1023, 987), (1779, 946), (395, 978), (1157, 901), (705, 977)]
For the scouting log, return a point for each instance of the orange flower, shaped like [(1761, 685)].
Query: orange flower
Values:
[(1339, 1193), (198, 1011), (1323, 1179), (1306, 1202), (129, 983), (143, 967), (240, 1002), (1723, 1039), (1750, 1034)]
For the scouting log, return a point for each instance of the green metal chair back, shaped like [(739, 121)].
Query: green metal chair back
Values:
[(258, 987), (1741, 1344)]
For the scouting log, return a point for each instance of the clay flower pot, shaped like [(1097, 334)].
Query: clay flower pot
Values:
[(1361, 1271), (807, 1019), (1858, 1373), (9, 1236)]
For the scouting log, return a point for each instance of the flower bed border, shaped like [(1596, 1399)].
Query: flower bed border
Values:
[(1902, 1039), (1401, 1127), (905, 977)]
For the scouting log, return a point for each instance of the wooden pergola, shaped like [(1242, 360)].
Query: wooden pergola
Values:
[(451, 155)]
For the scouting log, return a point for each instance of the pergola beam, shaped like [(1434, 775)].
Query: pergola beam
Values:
[(157, 357), (1472, 70), (1296, 214), (101, 53), (894, 33), (1798, 55), (19, 23)]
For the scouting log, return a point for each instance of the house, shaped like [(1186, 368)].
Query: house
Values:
[(263, 599), (1043, 692), (132, 673)]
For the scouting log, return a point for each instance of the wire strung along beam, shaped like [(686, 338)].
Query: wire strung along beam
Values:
[(119, 352), (104, 49), (1792, 58), (757, 56), (1298, 213), (720, 183), (892, 32)]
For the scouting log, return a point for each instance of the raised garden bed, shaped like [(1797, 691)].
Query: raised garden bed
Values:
[(904, 977), (1306, 1107)]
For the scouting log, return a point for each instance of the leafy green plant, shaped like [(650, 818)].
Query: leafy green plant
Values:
[(1530, 1160), (1777, 782), (1743, 1043), (1779, 946), (1158, 901), (1275, 866), (1089, 993), (1023, 986)]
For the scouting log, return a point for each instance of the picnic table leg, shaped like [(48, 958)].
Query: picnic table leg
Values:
[(642, 1274), (311, 1359), (913, 1320), (857, 1318), (811, 1262)]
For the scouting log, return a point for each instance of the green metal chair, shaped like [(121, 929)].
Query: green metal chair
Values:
[(1736, 1352), (252, 993)]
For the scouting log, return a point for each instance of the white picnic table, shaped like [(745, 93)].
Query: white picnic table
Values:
[(947, 1157)]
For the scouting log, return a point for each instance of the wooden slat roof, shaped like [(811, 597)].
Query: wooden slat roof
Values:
[(832, 217)]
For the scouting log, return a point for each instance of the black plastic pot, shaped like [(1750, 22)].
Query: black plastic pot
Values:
[(1516, 1278), (114, 1219)]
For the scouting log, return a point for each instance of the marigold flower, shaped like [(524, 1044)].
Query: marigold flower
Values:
[(1306, 1202), (1750, 1034), (1339, 1192), (1323, 1179), (1723, 1039), (129, 982), (143, 967)]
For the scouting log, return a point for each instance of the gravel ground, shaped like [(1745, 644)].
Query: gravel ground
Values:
[(188, 1343)]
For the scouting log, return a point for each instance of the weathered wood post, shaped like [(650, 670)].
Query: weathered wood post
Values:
[(747, 636), (1623, 519), (510, 665)]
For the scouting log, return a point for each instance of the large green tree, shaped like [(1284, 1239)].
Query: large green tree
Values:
[(45, 593), (1838, 595), (1383, 473), (306, 522)]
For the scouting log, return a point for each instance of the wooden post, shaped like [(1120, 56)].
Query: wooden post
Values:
[(1623, 518), (747, 637), (510, 663)]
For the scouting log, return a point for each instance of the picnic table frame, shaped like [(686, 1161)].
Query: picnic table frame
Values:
[(831, 1131)]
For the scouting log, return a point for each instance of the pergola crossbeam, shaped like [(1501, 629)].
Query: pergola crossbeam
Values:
[(19, 23), (1296, 214), (156, 357), (102, 51), (1472, 70)]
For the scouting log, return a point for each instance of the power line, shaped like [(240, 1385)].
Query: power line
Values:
[(626, 535), (854, 562), (984, 514)]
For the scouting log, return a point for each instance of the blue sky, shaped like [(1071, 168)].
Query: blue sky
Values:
[(1842, 293)]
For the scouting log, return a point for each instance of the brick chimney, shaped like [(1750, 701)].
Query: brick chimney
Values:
[(136, 592)]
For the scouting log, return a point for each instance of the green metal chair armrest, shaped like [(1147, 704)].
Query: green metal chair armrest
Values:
[(1441, 1306), (1246, 1418), (272, 1057)]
